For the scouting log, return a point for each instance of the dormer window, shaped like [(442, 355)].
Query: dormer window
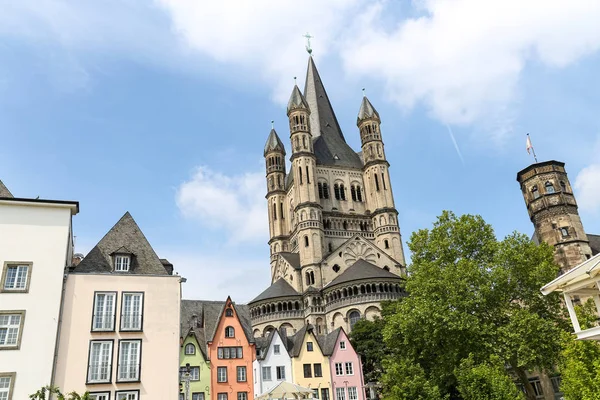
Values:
[(122, 262)]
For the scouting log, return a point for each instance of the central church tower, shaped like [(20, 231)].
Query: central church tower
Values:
[(335, 243)]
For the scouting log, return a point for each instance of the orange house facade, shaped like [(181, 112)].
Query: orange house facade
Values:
[(232, 352)]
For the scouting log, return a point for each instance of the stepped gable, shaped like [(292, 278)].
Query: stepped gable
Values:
[(124, 237), (278, 289), (4, 192), (361, 270)]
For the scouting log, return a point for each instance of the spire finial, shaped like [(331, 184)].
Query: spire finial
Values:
[(364, 94), (272, 124), (308, 37), (295, 83)]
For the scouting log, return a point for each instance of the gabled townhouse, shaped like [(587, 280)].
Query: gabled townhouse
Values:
[(346, 367), (36, 246), (119, 332), (273, 363), (310, 365)]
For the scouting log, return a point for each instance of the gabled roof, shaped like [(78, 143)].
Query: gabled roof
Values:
[(4, 192), (274, 143), (360, 270), (278, 289), (292, 258), (298, 339), (328, 341), (124, 234), (594, 243), (329, 144), (367, 111)]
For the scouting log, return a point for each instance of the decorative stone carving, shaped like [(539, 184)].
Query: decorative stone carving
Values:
[(358, 250)]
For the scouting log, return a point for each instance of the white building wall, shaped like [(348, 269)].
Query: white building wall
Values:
[(272, 360), (40, 234)]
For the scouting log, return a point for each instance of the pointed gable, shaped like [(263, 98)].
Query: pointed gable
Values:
[(4, 192), (126, 236)]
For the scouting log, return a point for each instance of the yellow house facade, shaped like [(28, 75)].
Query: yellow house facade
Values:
[(310, 367)]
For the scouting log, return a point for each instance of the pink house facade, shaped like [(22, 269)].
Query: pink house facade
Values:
[(346, 368)]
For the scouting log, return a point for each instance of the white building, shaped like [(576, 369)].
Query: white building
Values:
[(35, 247), (273, 363)]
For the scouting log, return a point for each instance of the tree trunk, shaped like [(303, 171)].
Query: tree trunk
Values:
[(530, 393)]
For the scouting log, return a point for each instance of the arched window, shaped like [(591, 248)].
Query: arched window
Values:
[(358, 193), (376, 182), (336, 191), (386, 268), (549, 187), (353, 192), (386, 244), (320, 188), (307, 175), (229, 312), (534, 192), (300, 174), (354, 317), (383, 181), (342, 192), (274, 208), (229, 332), (305, 241), (563, 186), (330, 247), (312, 277), (325, 190), (190, 349), (281, 210), (564, 231)]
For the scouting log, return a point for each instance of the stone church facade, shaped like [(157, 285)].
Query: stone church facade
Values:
[(335, 244)]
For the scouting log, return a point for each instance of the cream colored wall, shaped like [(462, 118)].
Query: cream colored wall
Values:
[(160, 336), (311, 357), (40, 234), (347, 177)]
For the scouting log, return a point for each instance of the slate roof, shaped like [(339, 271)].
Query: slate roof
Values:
[(125, 234), (274, 143), (360, 270), (327, 342), (594, 243), (278, 289), (329, 144), (367, 110), (297, 100), (4, 192), (292, 258), (296, 340)]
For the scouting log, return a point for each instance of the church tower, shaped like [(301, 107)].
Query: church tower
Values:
[(307, 210), (378, 188), (553, 211), (275, 165)]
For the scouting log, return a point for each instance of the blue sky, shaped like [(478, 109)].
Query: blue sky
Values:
[(162, 109)]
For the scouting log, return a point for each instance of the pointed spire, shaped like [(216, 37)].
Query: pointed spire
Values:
[(273, 143), (367, 111), (297, 100), (4, 192)]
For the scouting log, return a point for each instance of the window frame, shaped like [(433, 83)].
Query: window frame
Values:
[(342, 345), (276, 349), (263, 369), (355, 393), (141, 319), (11, 383), (340, 371), (110, 362), (320, 375), (237, 373), (104, 393), (124, 256), (22, 314), (280, 376), (229, 311), (342, 391), (310, 346), (307, 369), (114, 311), (222, 396), (218, 372), (229, 329), (185, 352), (351, 365), (136, 391), (244, 397), (194, 368), (200, 395), (118, 379), (9, 264)]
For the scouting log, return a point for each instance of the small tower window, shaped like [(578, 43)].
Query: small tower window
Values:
[(310, 278), (376, 182), (383, 181), (564, 231), (304, 142), (320, 188), (300, 174), (190, 349), (229, 312), (325, 190), (281, 210), (386, 244), (229, 332), (358, 193), (330, 247), (563, 186), (336, 190), (342, 192), (353, 192), (535, 192), (307, 175), (274, 211), (305, 241), (122, 262), (549, 187)]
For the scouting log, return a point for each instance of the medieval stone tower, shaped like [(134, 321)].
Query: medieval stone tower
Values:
[(335, 243), (553, 211)]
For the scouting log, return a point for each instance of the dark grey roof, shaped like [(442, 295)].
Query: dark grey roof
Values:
[(274, 143), (328, 341), (594, 243), (362, 269), (296, 340), (367, 111), (329, 144), (278, 289), (4, 192), (292, 258), (297, 100), (125, 234)]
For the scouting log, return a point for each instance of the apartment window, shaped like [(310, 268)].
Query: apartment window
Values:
[(315, 393), (194, 373), (128, 395), (198, 396), (96, 396), (309, 346), (229, 332), (15, 277), (132, 306), (276, 349), (280, 373), (352, 393), (318, 371), (222, 396), (122, 262), (307, 371), (241, 374), (221, 374), (229, 312), (266, 373), (556, 381), (349, 368), (7, 381), (537, 387), (104, 311), (229, 352), (324, 394), (129, 360), (100, 361), (242, 396), (339, 369), (340, 393), (11, 328), (343, 345), (190, 349)]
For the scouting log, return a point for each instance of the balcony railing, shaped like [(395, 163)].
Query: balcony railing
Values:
[(361, 298), (278, 315)]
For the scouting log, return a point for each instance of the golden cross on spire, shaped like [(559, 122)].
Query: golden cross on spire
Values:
[(308, 37)]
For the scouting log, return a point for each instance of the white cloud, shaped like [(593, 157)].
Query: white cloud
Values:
[(463, 58), (587, 185), (234, 204)]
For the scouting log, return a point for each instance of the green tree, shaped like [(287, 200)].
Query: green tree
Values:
[(50, 390), (367, 339), (404, 380), (487, 381), (472, 296)]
